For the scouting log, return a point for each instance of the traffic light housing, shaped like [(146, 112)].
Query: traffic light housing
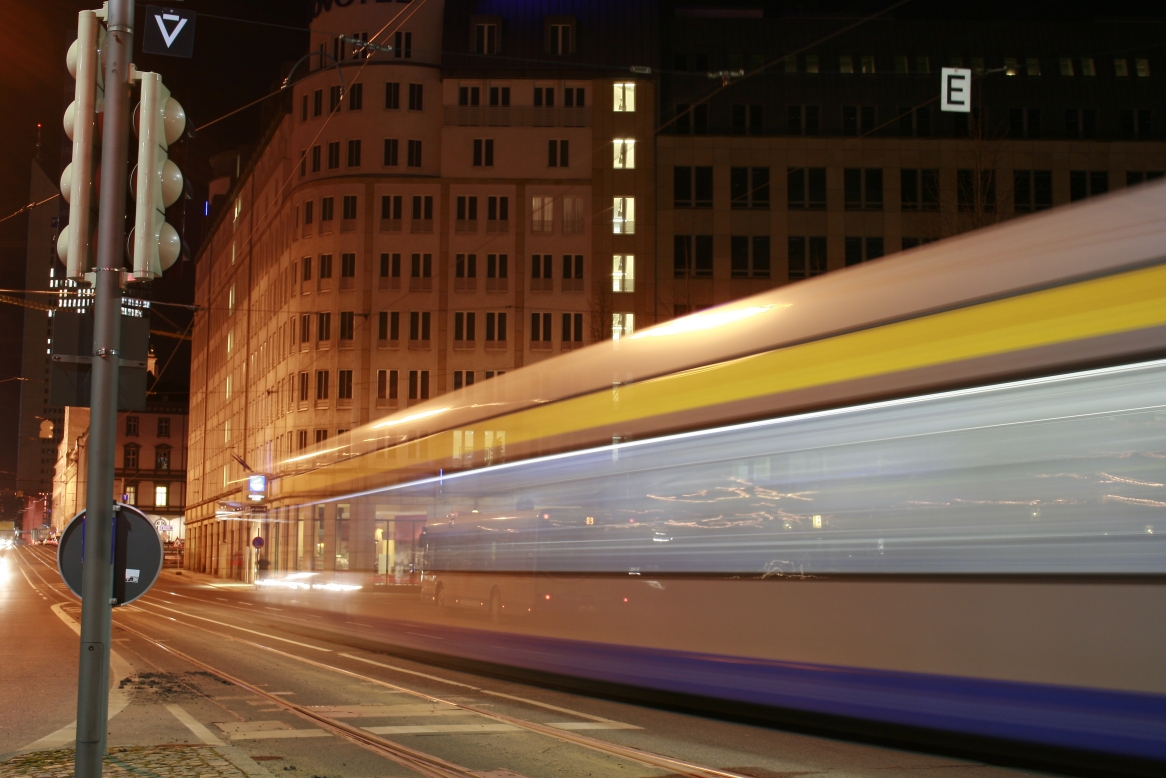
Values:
[(157, 182), (75, 242)]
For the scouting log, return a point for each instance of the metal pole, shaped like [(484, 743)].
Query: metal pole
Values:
[(97, 580)]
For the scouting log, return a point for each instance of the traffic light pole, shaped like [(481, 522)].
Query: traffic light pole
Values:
[(97, 578)]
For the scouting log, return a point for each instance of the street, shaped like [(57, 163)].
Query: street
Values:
[(201, 662)]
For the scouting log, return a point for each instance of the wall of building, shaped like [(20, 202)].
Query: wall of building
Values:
[(310, 261)]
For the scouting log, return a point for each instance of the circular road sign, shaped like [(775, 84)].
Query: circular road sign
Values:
[(257, 542), (137, 554)]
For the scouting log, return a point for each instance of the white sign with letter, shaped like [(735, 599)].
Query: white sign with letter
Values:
[(955, 90)]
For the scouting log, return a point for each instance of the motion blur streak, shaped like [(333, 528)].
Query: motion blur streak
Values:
[(926, 491)]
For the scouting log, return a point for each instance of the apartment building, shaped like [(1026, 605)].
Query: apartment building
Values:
[(495, 183), (429, 214)]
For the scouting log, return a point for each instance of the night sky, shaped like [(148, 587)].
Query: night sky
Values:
[(234, 63)]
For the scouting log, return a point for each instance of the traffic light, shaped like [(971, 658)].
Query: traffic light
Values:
[(156, 180), (75, 243)]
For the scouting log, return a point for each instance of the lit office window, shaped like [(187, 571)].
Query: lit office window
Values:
[(625, 154), (161, 496), (622, 325), (625, 98), (623, 273), (623, 216)]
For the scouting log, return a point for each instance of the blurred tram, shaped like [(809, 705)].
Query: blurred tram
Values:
[(927, 494)]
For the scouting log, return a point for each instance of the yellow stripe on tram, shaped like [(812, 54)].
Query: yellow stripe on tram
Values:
[(1104, 306)]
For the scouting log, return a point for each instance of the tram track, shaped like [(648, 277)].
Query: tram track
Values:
[(419, 761)]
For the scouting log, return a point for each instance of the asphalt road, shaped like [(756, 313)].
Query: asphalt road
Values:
[(202, 660)]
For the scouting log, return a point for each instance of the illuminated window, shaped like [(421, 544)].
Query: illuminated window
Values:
[(542, 212), (625, 98), (622, 325), (623, 216), (625, 154), (130, 494), (230, 341), (161, 496), (623, 273)]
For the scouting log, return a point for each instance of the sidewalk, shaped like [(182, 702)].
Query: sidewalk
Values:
[(170, 761)]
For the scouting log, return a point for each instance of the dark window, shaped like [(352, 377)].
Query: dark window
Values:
[(321, 384), (344, 385), (863, 189), (574, 97), (497, 208), (1032, 190), (496, 327), (469, 95), (354, 153), (749, 187), (414, 154), (544, 96), (807, 256), (347, 325), (305, 328), (540, 327), (1087, 183), (497, 265), (747, 119), (859, 250), (392, 94), (163, 426), (316, 159), (499, 96), (304, 387), (333, 98), (403, 45), (484, 152), (749, 256), (348, 265), (557, 153), (1135, 177), (419, 325), (422, 207), (693, 187), (323, 326), (356, 97), (485, 38), (390, 206), (919, 189), (383, 325), (325, 266), (348, 207), (463, 326), (1024, 122), (416, 97), (317, 102), (806, 188), (130, 457), (326, 209), (466, 266), (334, 155), (421, 266), (693, 256)]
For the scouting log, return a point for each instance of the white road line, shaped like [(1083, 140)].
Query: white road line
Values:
[(200, 732), (410, 672), (548, 706), (576, 725), (241, 629), (441, 729), (279, 733)]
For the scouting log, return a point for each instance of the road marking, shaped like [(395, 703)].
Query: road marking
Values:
[(277, 734), (200, 732), (441, 729), (118, 699), (548, 706), (574, 725), (410, 672), (388, 711), (241, 629)]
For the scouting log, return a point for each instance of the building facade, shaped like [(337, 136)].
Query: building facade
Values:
[(491, 184), (150, 466)]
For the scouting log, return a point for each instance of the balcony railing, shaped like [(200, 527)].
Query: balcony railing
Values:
[(516, 116)]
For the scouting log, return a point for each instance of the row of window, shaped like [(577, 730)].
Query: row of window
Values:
[(903, 64), (419, 326), (129, 495), (863, 188), (387, 388), (131, 457), (750, 254), (133, 424), (466, 210), (912, 121)]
